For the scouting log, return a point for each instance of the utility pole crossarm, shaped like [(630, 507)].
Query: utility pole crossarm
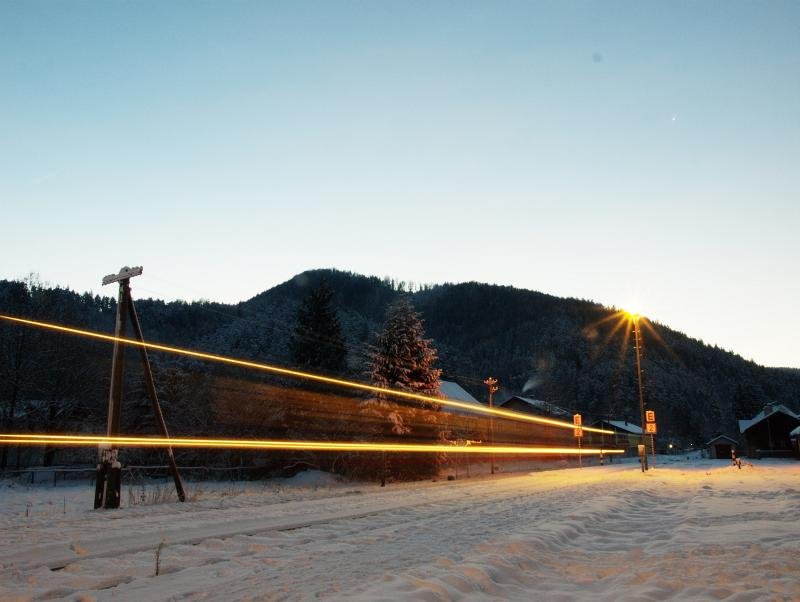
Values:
[(124, 274)]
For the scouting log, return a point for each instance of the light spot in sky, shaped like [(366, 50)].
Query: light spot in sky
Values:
[(674, 118)]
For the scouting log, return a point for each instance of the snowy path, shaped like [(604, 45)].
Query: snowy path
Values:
[(687, 531)]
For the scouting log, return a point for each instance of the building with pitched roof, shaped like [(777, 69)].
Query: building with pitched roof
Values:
[(537, 407), (627, 435), (720, 447), (768, 432)]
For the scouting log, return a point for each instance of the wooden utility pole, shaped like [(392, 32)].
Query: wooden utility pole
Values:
[(493, 388), (109, 470)]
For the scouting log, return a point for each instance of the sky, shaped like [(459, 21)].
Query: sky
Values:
[(625, 152)]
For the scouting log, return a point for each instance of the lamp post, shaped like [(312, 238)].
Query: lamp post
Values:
[(638, 339), (493, 388)]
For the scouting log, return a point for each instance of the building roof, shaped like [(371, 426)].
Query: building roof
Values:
[(765, 413), (795, 432), (622, 425), (455, 392), (540, 406), (719, 437)]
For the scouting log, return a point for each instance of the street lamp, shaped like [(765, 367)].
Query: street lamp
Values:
[(637, 334), (493, 388)]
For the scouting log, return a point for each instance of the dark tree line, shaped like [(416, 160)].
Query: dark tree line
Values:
[(558, 350)]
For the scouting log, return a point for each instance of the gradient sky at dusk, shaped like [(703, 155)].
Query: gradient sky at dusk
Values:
[(613, 151)]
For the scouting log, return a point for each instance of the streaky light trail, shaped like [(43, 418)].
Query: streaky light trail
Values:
[(387, 446), (303, 375)]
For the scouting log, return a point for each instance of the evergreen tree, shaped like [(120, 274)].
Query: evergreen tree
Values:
[(402, 359), (317, 342)]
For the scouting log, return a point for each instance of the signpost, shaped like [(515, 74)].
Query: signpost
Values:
[(578, 432), (651, 429)]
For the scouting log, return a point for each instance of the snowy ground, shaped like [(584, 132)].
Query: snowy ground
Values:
[(687, 530)]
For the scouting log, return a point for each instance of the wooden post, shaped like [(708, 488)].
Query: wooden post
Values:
[(108, 485), (118, 363), (109, 470)]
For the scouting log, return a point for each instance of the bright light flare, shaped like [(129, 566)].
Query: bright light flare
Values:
[(303, 375), (270, 444), (632, 312)]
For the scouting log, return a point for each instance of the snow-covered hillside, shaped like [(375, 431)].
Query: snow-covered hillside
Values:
[(689, 530)]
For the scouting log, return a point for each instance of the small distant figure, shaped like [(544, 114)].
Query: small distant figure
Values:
[(602, 459)]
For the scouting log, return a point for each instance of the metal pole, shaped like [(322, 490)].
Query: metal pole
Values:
[(638, 339), (153, 395), (492, 384), (653, 447)]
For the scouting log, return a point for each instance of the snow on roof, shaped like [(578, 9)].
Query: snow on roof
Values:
[(454, 391), (542, 406), (718, 437), (767, 411), (623, 425), (795, 432)]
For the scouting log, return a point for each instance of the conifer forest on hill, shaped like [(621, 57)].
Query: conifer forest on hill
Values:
[(559, 350)]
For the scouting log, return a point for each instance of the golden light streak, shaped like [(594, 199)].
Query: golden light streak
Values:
[(388, 446), (304, 375)]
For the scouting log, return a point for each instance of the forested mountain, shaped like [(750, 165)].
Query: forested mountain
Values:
[(565, 351)]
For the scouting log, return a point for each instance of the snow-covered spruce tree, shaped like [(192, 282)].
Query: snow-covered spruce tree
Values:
[(317, 341), (404, 359)]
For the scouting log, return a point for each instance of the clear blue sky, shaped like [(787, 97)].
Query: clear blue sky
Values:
[(606, 150)]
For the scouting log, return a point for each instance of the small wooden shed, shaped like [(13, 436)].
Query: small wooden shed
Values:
[(719, 448)]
